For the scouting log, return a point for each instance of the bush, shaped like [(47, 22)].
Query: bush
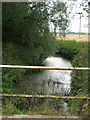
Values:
[(68, 49)]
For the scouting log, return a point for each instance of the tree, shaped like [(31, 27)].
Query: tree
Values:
[(59, 16), (28, 24)]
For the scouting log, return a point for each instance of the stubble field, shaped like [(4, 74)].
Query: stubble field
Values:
[(76, 37)]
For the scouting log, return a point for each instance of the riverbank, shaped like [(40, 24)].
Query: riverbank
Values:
[(16, 54), (78, 53)]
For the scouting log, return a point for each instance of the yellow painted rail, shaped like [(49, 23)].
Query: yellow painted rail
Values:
[(44, 67), (43, 96)]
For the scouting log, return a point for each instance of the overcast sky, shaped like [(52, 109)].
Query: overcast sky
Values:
[(75, 22)]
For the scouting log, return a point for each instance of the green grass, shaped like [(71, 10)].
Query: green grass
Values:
[(69, 49), (78, 53), (32, 106), (14, 54)]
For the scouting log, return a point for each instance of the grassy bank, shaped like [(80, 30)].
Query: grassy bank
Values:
[(78, 53), (15, 54)]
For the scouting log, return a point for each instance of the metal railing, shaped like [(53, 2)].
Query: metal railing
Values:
[(44, 96), (45, 68)]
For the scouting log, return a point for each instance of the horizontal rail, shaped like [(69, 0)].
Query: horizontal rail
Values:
[(43, 96), (44, 67)]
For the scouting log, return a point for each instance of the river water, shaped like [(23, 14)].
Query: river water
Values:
[(53, 82), (56, 82)]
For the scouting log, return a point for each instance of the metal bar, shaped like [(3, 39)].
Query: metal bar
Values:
[(44, 67), (43, 96)]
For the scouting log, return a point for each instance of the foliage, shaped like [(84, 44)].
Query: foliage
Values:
[(80, 82), (14, 54), (59, 20), (36, 16), (31, 106), (78, 52), (67, 49), (26, 24)]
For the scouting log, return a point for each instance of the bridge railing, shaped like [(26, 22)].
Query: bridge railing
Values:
[(45, 68)]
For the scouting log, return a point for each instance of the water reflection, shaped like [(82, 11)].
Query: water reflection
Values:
[(49, 81)]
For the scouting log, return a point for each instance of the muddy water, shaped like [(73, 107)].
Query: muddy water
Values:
[(48, 81)]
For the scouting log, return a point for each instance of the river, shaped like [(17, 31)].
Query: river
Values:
[(48, 81), (54, 82)]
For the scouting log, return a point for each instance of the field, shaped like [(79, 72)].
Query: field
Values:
[(83, 37)]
